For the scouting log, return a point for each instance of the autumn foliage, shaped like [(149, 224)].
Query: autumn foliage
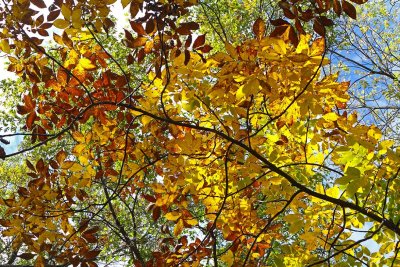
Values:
[(178, 155)]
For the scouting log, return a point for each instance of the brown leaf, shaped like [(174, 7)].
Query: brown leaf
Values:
[(319, 28), (42, 133), (299, 27), (22, 110), (183, 30), (325, 21), (306, 15), (129, 36), (337, 7), (29, 102), (140, 41), (5, 223), (205, 49), (137, 27), (30, 165), (53, 15), (130, 59), (349, 9), (149, 198), (39, 3), (92, 264), (40, 165), (359, 2), (259, 28), (156, 213), (187, 57), (43, 32), (2, 153), (289, 14), (92, 254), (150, 27), (67, 41), (278, 22), (140, 56), (200, 40), (188, 41), (30, 120), (278, 31)]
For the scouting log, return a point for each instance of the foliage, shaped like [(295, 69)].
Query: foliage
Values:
[(163, 152)]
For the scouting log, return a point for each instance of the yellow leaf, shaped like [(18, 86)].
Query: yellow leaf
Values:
[(125, 3), (61, 24), (76, 18), (66, 12), (146, 120), (178, 227), (79, 137), (251, 87), (192, 222), (172, 216), (231, 50), (79, 148), (331, 116), (228, 258), (4, 46), (317, 47), (86, 64), (333, 192), (302, 47)]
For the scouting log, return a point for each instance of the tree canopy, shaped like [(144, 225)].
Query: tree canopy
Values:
[(199, 133)]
